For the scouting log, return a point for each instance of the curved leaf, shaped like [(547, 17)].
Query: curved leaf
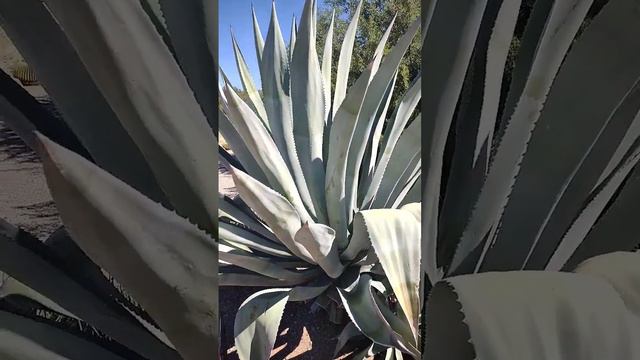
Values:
[(145, 87), (318, 240), (174, 281), (395, 237), (363, 310), (37, 35), (28, 260), (187, 22), (257, 322), (26, 339), (529, 315), (275, 210)]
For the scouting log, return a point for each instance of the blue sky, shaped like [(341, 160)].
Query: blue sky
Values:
[(237, 14)]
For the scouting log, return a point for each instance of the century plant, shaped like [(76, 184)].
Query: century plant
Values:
[(530, 224), (131, 165), (328, 183)]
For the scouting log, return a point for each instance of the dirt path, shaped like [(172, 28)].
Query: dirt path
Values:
[(24, 197)]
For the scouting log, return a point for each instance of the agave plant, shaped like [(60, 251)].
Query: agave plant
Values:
[(131, 165), (543, 176), (328, 187)]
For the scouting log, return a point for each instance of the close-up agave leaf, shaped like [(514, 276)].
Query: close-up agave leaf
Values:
[(561, 317), (158, 77), (189, 30), (318, 151), (33, 340), (562, 24), (144, 256), (27, 261), (613, 77), (68, 82), (128, 148), (532, 171), (248, 83)]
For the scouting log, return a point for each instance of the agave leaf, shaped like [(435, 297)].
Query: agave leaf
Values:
[(263, 150), (375, 136), (155, 103), (572, 96), (248, 84), (633, 132), (238, 235), (401, 117), (452, 30), (156, 11), (414, 194), (620, 270), (590, 214), (428, 7), (70, 259), (309, 291), (527, 51), (257, 322), (308, 106), (397, 321), (173, 281), (227, 208), (616, 229), (358, 243), (327, 61), (395, 237), (363, 310), (344, 60), (562, 25), (318, 240), (25, 339), (261, 265), (274, 71), (274, 209), (497, 49), (259, 41), (24, 114), (372, 101), (240, 149), (548, 315), (37, 35), (10, 286), (583, 179), (241, 279), (292, 40), (347, 333), (410, 193), (27, 265), (404, 162), (340, 140), (464, 179), (187, 22)]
